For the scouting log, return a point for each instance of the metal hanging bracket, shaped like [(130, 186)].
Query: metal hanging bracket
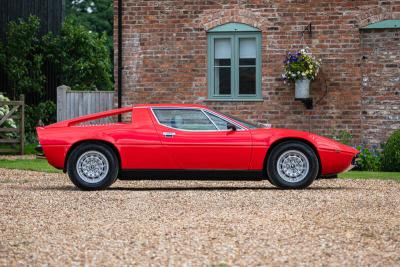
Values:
[(308, 102), (308, 29)]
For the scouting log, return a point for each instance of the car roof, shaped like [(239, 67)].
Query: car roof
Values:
[(170, 105)]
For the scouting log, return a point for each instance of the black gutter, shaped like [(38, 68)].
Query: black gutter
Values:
[(119, 56)]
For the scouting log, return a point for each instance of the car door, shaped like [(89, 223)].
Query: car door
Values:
[(195, 142)]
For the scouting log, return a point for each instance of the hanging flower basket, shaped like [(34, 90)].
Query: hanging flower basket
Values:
[(301, 68), (302, 89)]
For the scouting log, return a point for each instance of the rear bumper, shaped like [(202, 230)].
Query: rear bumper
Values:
[(55, 155), (39, 152), (39, 149)]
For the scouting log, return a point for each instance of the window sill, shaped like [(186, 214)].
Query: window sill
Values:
[(234, 100)]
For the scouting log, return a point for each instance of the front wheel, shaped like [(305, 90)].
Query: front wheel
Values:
[(292, 165), (92, 166)]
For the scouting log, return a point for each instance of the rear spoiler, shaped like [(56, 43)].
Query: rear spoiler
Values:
[(90, 117)]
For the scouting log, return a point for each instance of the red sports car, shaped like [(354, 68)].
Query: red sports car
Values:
[(169, 141)]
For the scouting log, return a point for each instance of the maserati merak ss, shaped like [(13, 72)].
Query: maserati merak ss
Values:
[(182, 141)]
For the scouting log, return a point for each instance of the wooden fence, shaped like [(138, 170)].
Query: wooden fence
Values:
[(72, 104), (13, 143)]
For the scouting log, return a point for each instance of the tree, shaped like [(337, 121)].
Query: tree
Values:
[(95, 15), (82, 57), (21, 57)]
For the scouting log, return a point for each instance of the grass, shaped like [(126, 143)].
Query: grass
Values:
[(371, 175), (30, 149), (39, 165)]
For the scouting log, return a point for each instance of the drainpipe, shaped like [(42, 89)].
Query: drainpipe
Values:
[(119, 56)]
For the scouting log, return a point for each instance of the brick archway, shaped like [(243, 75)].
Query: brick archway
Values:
[(236, 14), (374, 15)]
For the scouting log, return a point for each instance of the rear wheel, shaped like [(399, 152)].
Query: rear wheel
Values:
[(292, 165), (92, 166)]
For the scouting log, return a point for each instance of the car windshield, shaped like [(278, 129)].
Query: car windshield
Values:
[(243, 122)]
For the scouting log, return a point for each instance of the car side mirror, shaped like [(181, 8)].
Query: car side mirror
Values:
[(231, 127)]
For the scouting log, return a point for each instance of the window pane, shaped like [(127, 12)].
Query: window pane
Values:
[(185, 119), (247, 61), (247, 80), (247, 47), (222, 80), (222, 62), (222, 48), (222, 66), (221, 124), (247, 66)]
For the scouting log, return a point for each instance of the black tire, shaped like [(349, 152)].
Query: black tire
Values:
[(279, 178), (98, 149)]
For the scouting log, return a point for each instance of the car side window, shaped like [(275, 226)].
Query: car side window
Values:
[(185, 119), (220, 123)]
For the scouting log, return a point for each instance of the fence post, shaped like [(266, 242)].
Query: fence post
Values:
[(62, 102), (22, 126)]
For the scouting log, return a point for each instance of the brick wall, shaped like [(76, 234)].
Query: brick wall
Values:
[(380, 95), (165, 57)]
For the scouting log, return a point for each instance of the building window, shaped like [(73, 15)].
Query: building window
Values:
[(234, 62)]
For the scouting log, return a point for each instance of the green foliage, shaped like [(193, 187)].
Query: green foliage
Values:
[(30, 149), (95, 15), (42, 114), (21, 57), (82, 57), (369, 159), (344, 137), (391, 153), (2, 56)]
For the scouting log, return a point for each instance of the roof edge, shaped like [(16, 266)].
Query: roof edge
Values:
[(234, 27), (384, 24)]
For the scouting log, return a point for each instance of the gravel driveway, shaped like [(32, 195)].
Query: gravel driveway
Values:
[(45, 220)]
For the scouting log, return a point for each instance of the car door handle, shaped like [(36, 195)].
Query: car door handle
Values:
[(169, 134)]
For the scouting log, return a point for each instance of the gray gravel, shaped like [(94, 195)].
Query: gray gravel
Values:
[(46, 221)]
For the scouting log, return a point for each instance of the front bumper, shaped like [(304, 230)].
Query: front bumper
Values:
[(353, 163)]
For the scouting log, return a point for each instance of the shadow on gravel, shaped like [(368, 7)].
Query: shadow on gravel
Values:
[(194, 188), (218, 188)]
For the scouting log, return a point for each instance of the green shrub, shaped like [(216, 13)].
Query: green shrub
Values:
[(369, 159), (42, 114), (391, 153), (21, 57), (82, 57)]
